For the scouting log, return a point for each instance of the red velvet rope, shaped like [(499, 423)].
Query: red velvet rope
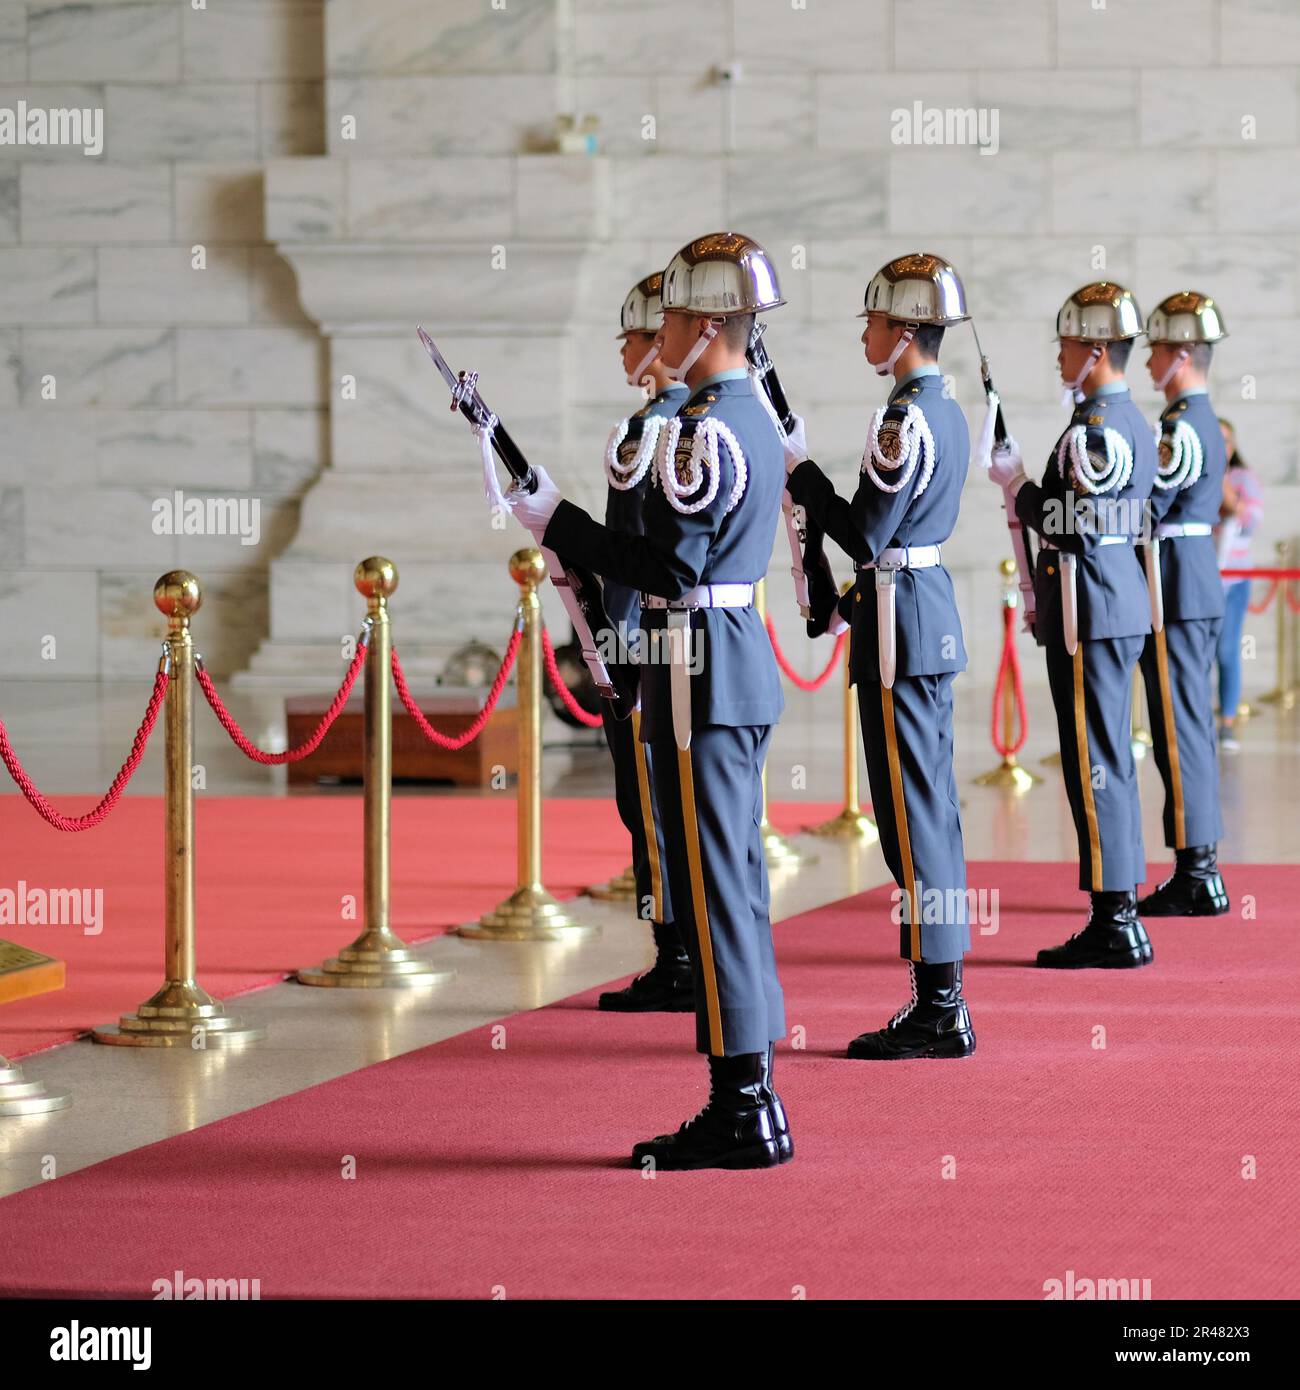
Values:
[(592, 721), (1291, 601), (1009, 666), (91, 818), (793, 676), (461, 740), (1267, 599), (290, 755)]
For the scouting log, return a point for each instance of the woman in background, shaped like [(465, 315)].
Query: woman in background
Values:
[(1243, 503)]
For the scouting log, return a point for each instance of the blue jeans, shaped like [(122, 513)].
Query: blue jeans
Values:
[(1236, 600)]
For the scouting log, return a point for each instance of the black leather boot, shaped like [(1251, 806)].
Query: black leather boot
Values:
[(667, 987), (1113, 938), (1194, 889), (780, 1125), (935, 1022), (734, 1130)]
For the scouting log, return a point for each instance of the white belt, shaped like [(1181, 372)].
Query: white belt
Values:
[(1045, 544), (705, 596), (906, 557), (1171, 529)]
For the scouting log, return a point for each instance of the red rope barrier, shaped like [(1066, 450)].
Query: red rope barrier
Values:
[(1009, 665), (290, 755), (127, 771), (1268, 598), (592, 721), (462, 740), (1291, 600), (793, 676), (1267, 573)]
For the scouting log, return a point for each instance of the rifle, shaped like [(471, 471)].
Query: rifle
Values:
[(1024, 556), (807, 539), (579, 589)]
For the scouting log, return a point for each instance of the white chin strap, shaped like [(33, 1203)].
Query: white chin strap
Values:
[(635, 377), (1174, 368), (884, 368), (678, 373), (1072, 394)]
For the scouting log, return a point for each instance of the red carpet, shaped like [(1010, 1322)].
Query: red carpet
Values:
[(272, 875), (480, 1169)]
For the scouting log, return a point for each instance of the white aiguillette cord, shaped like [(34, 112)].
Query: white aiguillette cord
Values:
[(491, 483)]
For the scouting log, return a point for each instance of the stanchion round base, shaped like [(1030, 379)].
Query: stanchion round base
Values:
[(20, 1097), (1008, 774), (848, 825), (1139, 747), (178, 1011), (528, 914), (1283, 699), (618, 889), (377, 959), (1244, 712), (1052, 759), (781, 854)]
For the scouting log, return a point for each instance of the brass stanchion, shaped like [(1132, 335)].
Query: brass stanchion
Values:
[(378, 958), (181, 1013), (1139, 734), (850, 823), (1008, 773), (530, 913), (616, 889), (780, 853), (1283, 694)]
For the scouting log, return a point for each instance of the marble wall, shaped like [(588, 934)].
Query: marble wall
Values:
[(355, 165)]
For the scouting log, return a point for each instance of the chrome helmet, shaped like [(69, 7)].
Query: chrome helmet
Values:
[(721, 274), (917, 288), (1186, 317), (1102, 312), (643, 308)]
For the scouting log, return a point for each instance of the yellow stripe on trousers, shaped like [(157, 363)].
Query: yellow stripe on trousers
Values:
[(686, 777), (1171, 741), (648, 820), (900, 822), (1085, 772)]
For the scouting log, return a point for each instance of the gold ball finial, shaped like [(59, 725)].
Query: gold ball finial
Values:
[(375, 577), (177, 595), (527, 568), (1007, 568)]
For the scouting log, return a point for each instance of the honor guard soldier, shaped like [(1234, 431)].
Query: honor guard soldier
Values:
[(1093, 610), (906, 641), (1182, 567), (629, 460), (710, 520)]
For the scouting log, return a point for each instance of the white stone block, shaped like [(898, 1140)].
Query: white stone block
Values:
[(219, 204), (1257, 191), (774, 113), (606, 277), (1259, 31), (247, 536), (562, 196), (58, 447), (820, 36), (100, 527), (305, 199), (1263, 354), (621, 105), (58, 97), (10, 368), (58, 604), (935, 192), (274, 288), (104, 43), (429, 200), (1027, 278), (1226, 99), (690, 116), (160, 285), (1142, 194), (249, 366), (314, 601), (13, 41), (1250, 276), (96, 203), (47, 286), (931, 34), (423, 116), (792, 196), (238, 40), (395, 37), (620, 37), (99, 366), (172, 448), (215, 121), (1150, 34), (9, 185), (1050, 110), (684, 196), (855, 114), (289, 449)]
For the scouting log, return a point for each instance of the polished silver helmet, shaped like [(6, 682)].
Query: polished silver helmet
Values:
[(643, 310), (917, 288), (1102, 312), (1186, 317), (720, 274)]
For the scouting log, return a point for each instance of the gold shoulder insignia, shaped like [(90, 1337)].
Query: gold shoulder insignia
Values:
[(701, 409), (1096, 419)]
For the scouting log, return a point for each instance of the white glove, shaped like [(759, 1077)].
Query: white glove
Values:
[(796, 446), (1006, 467), (984, 444), (534, 510)]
